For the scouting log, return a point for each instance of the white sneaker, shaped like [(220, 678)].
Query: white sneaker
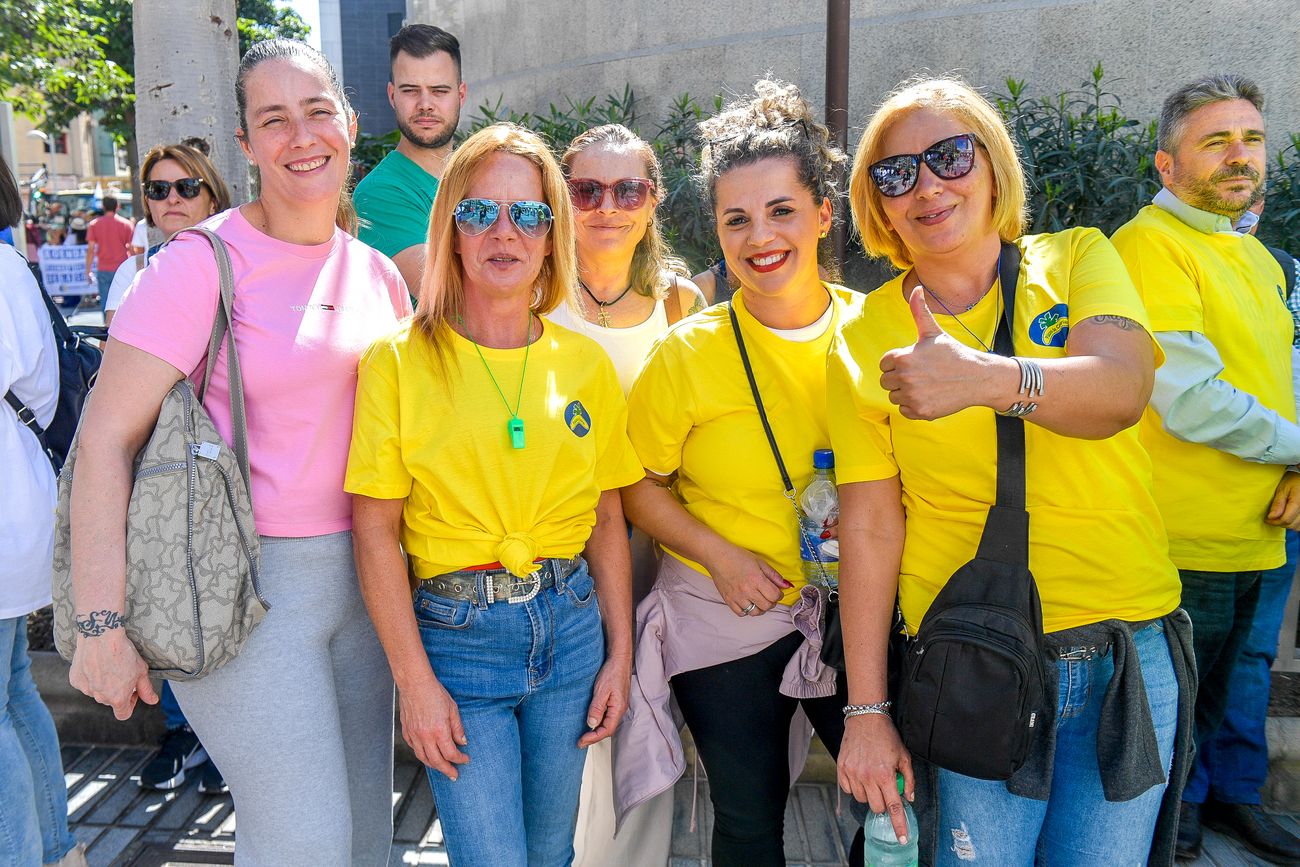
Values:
[(74, 858)]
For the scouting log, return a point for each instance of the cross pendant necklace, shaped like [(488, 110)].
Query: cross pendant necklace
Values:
[(602, 313)]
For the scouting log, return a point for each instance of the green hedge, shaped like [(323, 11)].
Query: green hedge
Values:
[(1088, 163)]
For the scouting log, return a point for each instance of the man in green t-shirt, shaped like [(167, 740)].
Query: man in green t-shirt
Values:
[(394, 199)]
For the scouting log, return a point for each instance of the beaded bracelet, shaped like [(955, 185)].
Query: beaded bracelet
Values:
[(880, 707)]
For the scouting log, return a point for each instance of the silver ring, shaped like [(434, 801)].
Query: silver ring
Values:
[(749, 609)]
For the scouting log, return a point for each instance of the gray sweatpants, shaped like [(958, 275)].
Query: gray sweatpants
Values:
[(301, 722)]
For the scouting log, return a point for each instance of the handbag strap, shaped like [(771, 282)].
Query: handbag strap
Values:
[(222, 328), (1006, 532), (771, 437), (762, 413)]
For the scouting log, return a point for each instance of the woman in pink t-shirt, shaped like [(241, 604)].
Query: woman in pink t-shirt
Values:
[(301, 721)]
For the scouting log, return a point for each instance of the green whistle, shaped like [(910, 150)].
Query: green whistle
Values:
[(516, 428)]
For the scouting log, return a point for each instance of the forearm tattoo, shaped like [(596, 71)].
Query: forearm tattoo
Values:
[(98, 622), (1121, 322)]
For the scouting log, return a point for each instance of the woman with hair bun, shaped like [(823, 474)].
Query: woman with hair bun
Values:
[(730, 629)]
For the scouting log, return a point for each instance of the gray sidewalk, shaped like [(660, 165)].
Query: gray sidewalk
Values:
[(125, 825)]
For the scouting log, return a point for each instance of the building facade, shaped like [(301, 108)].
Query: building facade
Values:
[(532, 54)]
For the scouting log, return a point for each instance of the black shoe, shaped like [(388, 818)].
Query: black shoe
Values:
[(210, 780), (1187, 847), (179, 751), (1256, 830)]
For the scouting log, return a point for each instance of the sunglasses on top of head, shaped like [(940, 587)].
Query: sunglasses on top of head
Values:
[(476, 216), (948, 159), (188, 188), (628, 193)]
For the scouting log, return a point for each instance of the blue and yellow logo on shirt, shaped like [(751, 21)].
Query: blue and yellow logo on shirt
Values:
[(577, 418), (1051, 327)]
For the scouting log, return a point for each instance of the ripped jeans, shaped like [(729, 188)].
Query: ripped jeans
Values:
[(981, 822)]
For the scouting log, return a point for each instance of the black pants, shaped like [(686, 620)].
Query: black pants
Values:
[(741, 725)]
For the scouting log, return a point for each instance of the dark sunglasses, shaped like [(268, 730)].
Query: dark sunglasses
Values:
[(188, 188), (948, 159), (629, 193), (476, 216)]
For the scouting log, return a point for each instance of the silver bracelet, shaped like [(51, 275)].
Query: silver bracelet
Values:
[(1031, 385), (880, 707)]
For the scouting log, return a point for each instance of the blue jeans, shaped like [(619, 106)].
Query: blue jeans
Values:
[(521, 675), (173, 716), (105, 281), (1077, 826), (33, 798), (1233, 766)]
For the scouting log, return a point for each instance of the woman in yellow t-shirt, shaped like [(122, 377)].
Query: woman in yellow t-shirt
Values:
[(488, 446), (722, 623), (913, 387)]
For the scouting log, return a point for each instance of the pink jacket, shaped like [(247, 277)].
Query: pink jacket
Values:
[(685, 625)]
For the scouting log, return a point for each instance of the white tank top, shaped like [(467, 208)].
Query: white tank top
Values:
[(626, 347)]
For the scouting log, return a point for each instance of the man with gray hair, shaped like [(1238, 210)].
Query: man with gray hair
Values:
[(1221, 426)]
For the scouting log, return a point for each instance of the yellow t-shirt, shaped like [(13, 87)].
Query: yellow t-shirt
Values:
[(691, 412), (1225, 287), (1096, 545), (471, 498)]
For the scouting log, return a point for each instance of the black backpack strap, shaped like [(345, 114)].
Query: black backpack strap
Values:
[(1006, 532), (25, 415), (64, 335), (1287, 261)]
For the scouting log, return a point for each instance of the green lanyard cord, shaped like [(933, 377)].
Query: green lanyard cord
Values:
[(515, 426)]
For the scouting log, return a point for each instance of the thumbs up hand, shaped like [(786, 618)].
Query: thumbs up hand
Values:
[(936, 376)]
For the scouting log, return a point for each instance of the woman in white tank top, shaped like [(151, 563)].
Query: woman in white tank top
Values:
[(632, 290)]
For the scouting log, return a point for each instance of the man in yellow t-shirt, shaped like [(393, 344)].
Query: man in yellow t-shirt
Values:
[(1221, 426)]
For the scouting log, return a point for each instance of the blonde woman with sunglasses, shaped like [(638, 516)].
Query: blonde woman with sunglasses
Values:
[(630, 290), (912, 388), (489, 447)]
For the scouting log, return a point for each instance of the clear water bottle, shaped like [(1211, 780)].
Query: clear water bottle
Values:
[(821, 509), (882, 848)]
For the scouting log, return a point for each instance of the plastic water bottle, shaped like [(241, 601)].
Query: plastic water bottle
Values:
[(882, 848), (821, 509)]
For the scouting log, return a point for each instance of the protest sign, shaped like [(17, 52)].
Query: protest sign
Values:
[(63, 268)]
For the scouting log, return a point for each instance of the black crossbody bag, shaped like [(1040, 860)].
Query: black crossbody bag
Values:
[(972, 695), (832, 650)]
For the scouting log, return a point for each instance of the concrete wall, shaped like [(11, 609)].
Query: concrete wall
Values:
[(365, 26), (538, 52)]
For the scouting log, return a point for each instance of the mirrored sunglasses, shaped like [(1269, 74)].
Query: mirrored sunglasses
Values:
[(948, 159), (628, 193), (188, 188), (476, 216)]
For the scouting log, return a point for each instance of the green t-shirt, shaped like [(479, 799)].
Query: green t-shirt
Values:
[(393, 202)]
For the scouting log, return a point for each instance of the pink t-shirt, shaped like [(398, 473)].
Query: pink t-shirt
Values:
[(112, 235), (303, 316)]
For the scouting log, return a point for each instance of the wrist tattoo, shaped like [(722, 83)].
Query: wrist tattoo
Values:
[(98, 622), (1123, 323)]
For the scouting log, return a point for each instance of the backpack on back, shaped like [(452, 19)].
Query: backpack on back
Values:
[(78, 363)]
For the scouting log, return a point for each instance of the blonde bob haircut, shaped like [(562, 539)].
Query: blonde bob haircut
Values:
[(978, 115), (442, 291)]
